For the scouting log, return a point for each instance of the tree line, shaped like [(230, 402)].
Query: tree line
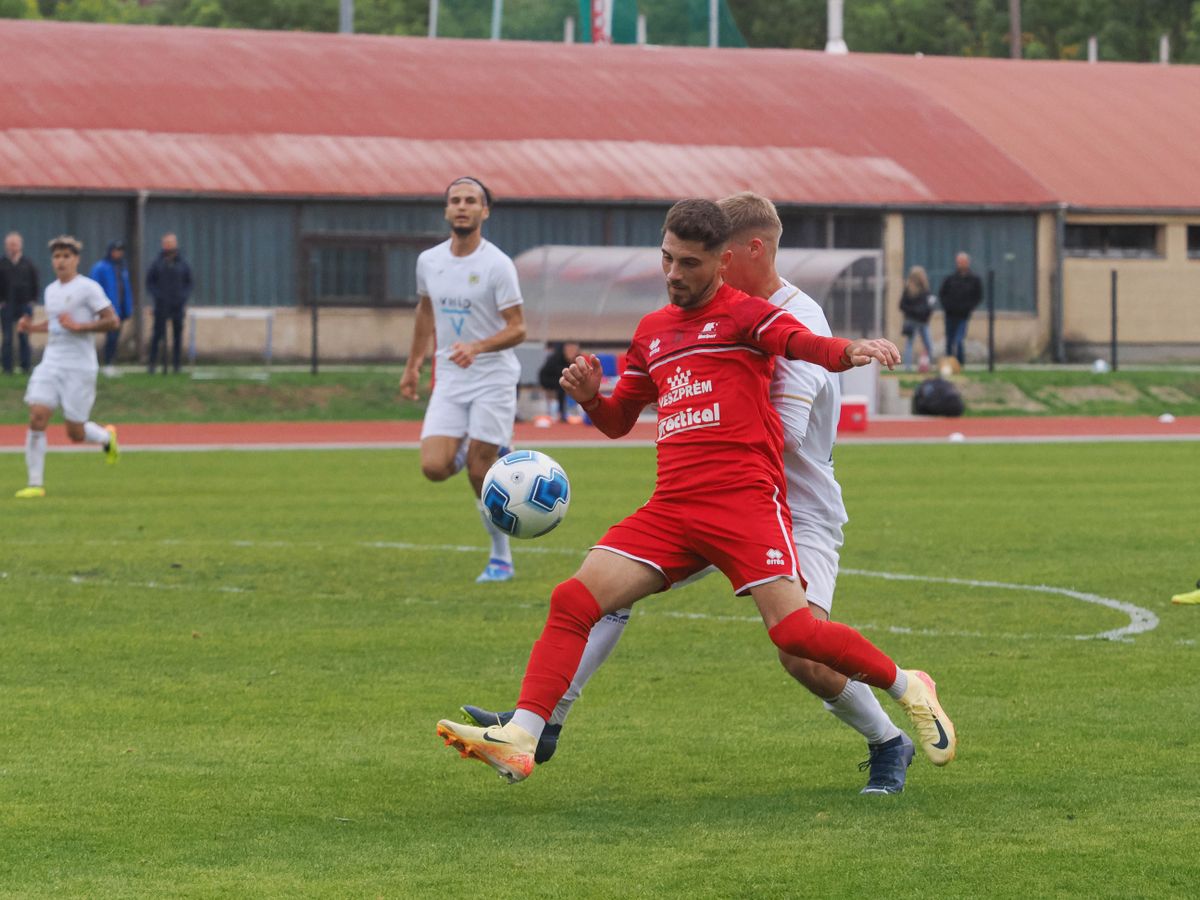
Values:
[(1126, 30)]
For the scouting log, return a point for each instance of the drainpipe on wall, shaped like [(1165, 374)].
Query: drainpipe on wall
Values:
[(1057, 344)]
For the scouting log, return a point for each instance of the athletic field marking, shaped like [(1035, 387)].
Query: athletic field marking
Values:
[(1141, 620)]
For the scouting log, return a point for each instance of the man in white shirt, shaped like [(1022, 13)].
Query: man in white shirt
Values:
[(76, 308), (470, 299), (808, 400)]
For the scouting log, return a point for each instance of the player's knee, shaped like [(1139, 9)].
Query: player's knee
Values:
[(75, 433), (794, 633), (436, 471), (571, 600)]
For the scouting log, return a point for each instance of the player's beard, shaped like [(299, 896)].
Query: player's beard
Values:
[(464, 230), (693, 299)]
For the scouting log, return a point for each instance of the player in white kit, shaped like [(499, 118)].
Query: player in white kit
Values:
[(808, 400), (76, 308), (470, 299)]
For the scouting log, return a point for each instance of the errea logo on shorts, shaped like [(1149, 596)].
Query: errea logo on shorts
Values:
[(654, 346), (775, 557), (708, 331)]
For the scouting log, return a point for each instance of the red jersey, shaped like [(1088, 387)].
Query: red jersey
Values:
[(709, 369)]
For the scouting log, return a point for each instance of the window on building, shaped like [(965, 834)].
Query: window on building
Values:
[(1194, 242), (1114, 241), (858, 232), (367, 270)]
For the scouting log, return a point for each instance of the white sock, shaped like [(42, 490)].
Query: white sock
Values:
[(859, 708), (94, 434), (900, 685), (530, 721), (601, 641), (35, 456), (460, 456), (500, 547)]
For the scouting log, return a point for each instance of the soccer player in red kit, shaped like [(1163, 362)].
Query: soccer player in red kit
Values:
[(720, 498)]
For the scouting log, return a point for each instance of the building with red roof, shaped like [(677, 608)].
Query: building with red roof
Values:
[(296, 166)]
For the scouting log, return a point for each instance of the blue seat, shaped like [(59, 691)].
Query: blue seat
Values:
[(608, 364)]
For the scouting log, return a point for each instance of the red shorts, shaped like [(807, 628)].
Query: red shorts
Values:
[(746, 534)]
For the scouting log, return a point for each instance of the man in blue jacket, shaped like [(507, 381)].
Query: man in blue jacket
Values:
[(112, 274), (169, 282)]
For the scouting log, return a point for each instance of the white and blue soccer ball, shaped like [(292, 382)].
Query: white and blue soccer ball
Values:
[(526, 493)]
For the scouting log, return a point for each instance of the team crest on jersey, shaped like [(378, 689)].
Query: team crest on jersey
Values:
[(708, 331), (654, 346), (681, 386), (473, 278)]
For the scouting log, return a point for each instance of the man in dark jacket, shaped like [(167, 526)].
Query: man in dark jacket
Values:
[(961, 292), (169, 282), (112, 274), (18, 293)]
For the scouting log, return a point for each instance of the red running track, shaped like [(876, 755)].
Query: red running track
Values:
[(264, 435)]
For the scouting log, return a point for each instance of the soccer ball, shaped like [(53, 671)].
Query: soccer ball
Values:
[(526, 493)]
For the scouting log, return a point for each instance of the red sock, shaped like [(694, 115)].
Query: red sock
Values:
[(836, 645), (556, 654)]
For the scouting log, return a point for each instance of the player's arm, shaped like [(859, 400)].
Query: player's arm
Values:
[(464, 353), (26, 325), (422, 343), (107, 321), (794, 389), (614, 415)]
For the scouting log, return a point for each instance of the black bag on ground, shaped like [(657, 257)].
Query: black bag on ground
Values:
[(937, 397)]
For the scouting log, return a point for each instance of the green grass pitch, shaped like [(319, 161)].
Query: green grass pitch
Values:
[(220, 675)]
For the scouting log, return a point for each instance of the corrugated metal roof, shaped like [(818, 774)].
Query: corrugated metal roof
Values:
[(120, 108), (1101, 135)]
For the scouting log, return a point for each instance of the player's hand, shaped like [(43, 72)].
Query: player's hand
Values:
[(463, 355), (581, 379), (24, 325), (861, 352), (65, 320), (408, 383)]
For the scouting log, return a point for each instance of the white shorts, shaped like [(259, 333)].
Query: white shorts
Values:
[(483, 412), (72, 389), (817, 555)]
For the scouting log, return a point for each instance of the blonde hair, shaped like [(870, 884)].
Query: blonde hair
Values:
[(750, 212), (917, 281), (66, 242)]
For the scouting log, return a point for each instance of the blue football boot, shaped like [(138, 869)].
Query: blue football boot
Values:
[(888, 765)]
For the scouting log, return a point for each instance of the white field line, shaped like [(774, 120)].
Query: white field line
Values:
[(1141, 620)]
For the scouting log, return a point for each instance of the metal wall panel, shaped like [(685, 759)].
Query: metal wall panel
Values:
[(96, 222), (241, 253), (1003, 243)]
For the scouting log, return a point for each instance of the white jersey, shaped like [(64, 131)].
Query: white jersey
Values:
[(809, 401), (468, 293), (82, 299)]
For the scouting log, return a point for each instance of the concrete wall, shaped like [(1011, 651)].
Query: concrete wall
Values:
[(1158, 299)]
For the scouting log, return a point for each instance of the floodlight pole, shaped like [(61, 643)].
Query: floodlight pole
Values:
[(346, 17), (714, 25), (433, 18), (497, 15)]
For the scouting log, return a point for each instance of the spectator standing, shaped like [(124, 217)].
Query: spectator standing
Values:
[(18, 291), (112, 274), (560, 356), (169, 282), (961, 292), (916, 303)]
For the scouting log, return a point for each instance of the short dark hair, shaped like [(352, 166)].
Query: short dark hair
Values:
[(698, 220), (487, 195)]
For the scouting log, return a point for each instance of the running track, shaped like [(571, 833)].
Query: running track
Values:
[(382, 435)]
